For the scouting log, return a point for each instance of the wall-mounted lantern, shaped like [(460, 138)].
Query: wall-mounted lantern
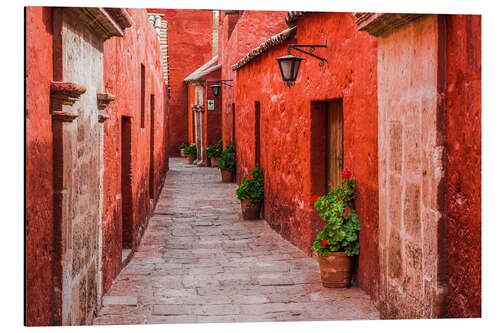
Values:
[(290, 64), (216, 88), (168, 92)]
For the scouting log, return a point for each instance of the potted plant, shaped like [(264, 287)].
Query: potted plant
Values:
[(190, 152), (227, 162), (338, 241), (181, 149), (214, 153), (251, 193)]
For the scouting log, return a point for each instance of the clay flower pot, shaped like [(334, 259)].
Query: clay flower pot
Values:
[(191, 158), (250, 209), (214, 161), (182, 152), (335, 270), (227, 175)]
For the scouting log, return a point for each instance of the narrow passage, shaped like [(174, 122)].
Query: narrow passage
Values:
[(200, 262)]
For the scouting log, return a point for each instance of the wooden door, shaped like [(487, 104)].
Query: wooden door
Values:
[(257, 134), (335, 143)]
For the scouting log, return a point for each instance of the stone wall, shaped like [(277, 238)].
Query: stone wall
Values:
[(291, 119), (411, 170), (82, 64)]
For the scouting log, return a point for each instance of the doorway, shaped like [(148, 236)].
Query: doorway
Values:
[(126, 185), (326, 152), (334, 142), (257, 134), (234, 123)]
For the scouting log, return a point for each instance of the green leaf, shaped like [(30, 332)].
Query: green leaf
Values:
[(341, 232), (252, 189)]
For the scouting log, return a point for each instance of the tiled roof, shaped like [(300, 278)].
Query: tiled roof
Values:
[(291, 17), (263, 47), (207, 68)]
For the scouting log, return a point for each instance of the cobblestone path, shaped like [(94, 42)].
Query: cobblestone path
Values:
[(200, 262)]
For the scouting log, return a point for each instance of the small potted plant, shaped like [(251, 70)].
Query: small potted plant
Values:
[(190, 152), (251, 193), (181, 149), (227, 162), (338, 241), (214, 153)]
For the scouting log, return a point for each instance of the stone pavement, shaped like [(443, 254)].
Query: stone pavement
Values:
[(200, 262)]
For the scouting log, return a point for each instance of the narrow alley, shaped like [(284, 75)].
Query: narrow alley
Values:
[(199, 261), (155, 137)]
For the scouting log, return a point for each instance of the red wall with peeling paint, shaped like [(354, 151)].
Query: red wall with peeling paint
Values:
[(39, 186), (122, 58), (190, 31), (463, 143), (289, 132)]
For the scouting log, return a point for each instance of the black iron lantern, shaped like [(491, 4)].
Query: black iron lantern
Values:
[(290, 64), (169, 93), (289, 68), (216, 89)]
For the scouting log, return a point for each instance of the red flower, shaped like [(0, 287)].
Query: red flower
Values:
[(314, 198), (249, 177), (324, 242), (347, 209), (329, 182), (226, 142), (346, 174)]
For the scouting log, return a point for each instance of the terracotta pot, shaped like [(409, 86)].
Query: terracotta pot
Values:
[(227, 175), (250, 209), (191, 158), (182, 152), (335, 270), (214, 161)]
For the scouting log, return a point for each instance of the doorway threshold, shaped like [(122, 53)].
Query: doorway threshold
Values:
[(126, 256)]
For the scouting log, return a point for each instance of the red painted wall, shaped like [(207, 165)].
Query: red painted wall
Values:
[(39, 186), (191, 101), (463, 144), (190, 31), (290, 137), (123, 58), (212, 131), (241, 33)]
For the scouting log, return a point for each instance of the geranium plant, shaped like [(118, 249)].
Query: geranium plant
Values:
[(341, 230), (228, 157), (182, 146), (252, 186), (215, 150), (190, 150)]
